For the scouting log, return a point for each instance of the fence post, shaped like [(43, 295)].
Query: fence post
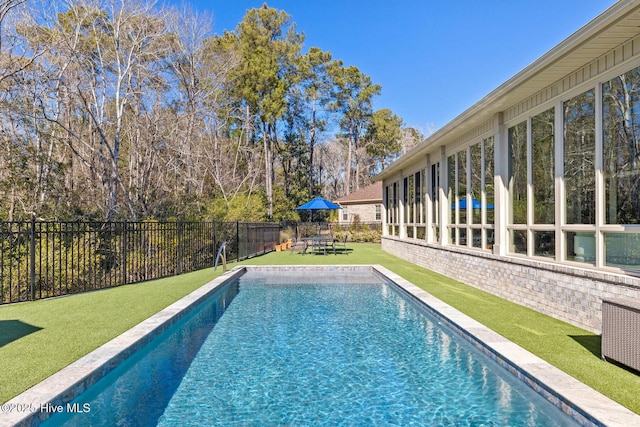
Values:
[(237, 241), (124, 252), (179, 249), (215, 243), (248, 249), (32, 258)]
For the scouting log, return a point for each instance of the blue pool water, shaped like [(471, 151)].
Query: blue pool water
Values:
[(293, 354)]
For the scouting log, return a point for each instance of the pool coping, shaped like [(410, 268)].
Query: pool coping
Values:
[(584, 404), (54, 393)]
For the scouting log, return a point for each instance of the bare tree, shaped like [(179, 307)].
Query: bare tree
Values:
[(115, 49), (331, 168), (27, 158)]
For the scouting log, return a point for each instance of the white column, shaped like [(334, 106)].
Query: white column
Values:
[(600, 193), (444, 202), (561, 241), (383, 212), (501, 184), (402, 232)]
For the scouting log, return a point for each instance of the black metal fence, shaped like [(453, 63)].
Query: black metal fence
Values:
[(46, 259)]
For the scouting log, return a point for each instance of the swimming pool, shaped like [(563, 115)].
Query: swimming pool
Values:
[(364, 352)]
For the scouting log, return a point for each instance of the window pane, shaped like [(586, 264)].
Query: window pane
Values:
[(405, 199), (579, 159), (409, 201), (518, 173), (622, 250), (387, 204), (542, 147), (476, 183), (544, 243), (518, 239), (581, 247), (394, 210), (463, 237), (417, 188), (488, 179), (423, 196), (477, 238), (435, 184), (462, 186), (621, 143), (451, 171)]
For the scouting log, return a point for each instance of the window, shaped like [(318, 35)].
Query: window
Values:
[(419, 213), (409, 200), (378, 212), (476, 183), (621, 142), (622, 250), (518, 173), (405, 199), (471, 194), (462, 187), (621, 169), (451, 185), (541, 172), (391, 199), (387, 202), (394, 203), (543, 178), (435, 201), (543, 181), (579, 159), (489, 186)]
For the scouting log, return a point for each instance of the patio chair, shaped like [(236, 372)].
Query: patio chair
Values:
[(320, 244), (342, 245), (300, 244)]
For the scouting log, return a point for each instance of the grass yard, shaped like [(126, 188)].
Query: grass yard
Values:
[(40, 338)]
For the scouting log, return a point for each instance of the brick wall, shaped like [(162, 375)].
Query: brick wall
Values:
[(567, 293), (367, 212)]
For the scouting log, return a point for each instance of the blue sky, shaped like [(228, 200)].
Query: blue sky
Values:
[(433, 58)]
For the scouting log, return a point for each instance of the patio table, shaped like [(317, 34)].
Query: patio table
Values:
[(319, 244)]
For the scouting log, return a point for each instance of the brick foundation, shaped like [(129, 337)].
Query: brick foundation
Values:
[(571, 294)]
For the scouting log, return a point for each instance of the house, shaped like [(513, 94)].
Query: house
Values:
[(548, 163), (365, 203)]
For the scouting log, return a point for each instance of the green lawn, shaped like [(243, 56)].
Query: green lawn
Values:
[(39, 338)]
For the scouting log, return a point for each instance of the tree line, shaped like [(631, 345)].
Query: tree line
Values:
[(122, 109)]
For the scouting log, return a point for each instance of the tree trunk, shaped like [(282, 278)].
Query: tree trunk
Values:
[(268, 167)]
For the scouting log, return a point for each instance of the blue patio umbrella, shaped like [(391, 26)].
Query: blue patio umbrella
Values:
[(318, 203)]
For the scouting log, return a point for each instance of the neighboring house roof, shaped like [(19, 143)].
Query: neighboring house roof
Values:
[(369, 194)]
